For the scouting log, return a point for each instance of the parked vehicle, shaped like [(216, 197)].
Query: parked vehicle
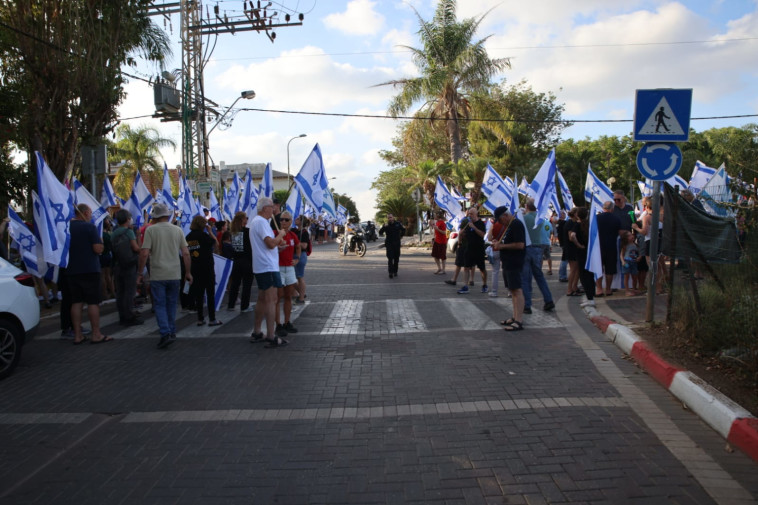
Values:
[(452, 242), (19, 315), (355, 241)]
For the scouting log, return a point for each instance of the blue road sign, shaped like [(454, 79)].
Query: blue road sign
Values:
[(662, 115), (659, 161)]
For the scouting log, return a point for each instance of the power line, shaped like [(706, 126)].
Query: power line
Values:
[(484, 120), (512, 48)]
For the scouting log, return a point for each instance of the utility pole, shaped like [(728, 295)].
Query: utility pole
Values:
[(254, 16)]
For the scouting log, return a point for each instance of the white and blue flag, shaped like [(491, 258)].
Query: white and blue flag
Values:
[(701, 174), (595, 190), (215, 207), (568, 200), (311, 181), (266, 187), (222, 267), (164, 195), (341, 215), (232, 197), (294, 204), (715, 193), (594, 262), (56, 209), (108, 197), (81, 195), (28, 246), (186, 206), (543, 187), (447, 201)]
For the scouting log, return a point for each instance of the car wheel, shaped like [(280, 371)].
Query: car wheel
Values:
[(11, 339), (360, 249)]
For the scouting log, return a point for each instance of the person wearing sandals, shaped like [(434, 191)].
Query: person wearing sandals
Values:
[(512, 249), (201, 241), (289, 256), (266, 243)]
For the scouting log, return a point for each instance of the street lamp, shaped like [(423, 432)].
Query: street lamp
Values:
[(247, 95), (288, 155)]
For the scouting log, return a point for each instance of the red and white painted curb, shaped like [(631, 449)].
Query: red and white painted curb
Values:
[(731, 421)]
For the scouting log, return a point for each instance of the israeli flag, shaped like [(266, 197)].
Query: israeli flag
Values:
[(543, 187), (232, 199), (139, 190), (294, 204), (446, 201), (249, 196), (311, 180), (513, 206), (222, 267), (28, 246), (266, 187), (215, 207), (186, 206), (56, 209), (594, 262), (164, 196), (329, 207), (700, 176), (341, 215), (715, 193), (81, 195), (491, 181), (108, 197), (595, 190), (500, 196), (568, 200)]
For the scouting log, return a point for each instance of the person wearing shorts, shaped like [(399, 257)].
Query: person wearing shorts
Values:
[(265, 243), (512, 249), (289, 256), (83, 274)]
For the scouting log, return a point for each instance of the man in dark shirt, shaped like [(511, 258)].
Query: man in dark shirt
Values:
[(621, 210), (83, 274), (394, 231), (475, 232), (608, 228), (512, 253)]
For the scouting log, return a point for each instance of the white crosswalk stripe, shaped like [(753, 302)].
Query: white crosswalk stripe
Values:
[(403, 317), (345, 318), (469, 315)]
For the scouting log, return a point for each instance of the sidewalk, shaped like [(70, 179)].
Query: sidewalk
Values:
[(730, 420)]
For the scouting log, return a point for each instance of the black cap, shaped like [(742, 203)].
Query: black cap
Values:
[(275, 200), (500, 211)]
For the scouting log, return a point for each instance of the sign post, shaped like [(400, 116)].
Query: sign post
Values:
[(661, 116)]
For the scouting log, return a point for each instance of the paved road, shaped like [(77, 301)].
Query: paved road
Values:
[(394, 391)]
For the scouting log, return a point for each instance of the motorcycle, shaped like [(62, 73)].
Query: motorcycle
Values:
[(354, 242), (371, 233)]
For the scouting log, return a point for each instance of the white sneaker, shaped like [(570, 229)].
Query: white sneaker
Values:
[(493, 294), (588, 303)]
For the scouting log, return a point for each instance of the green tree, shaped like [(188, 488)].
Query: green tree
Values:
[(452, 66), (139, 148), (64, 58), (402, 207), (349, 204)]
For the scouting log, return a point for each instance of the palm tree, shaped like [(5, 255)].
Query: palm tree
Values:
[(402, 207), (139, 148), (451, 66), (424, 177)]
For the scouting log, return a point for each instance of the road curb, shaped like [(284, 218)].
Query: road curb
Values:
[(730, 420)]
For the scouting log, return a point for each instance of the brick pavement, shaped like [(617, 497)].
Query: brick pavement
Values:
[(394, 391)]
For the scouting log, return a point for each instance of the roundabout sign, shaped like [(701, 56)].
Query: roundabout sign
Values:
[(659, 161)]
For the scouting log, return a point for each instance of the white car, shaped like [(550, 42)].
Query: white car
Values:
[(19, 314)]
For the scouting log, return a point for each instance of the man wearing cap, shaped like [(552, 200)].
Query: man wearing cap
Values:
[(512, 249), (163, 244)]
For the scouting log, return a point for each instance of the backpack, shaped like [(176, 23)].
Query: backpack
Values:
[(122, 251)]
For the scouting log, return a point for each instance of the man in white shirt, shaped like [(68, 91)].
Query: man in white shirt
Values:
[(265, 244)]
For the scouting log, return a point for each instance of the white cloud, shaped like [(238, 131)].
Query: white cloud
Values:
[(359, 18)]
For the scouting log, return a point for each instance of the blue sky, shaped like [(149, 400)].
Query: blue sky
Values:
[(592, 54)]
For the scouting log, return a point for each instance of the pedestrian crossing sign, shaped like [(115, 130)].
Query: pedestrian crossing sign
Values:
[(662, 115)]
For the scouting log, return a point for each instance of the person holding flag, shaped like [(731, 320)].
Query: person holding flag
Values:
[(439, 247), (580, 236)]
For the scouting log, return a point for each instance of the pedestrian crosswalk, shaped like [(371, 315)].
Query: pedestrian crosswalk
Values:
[(348, 317)]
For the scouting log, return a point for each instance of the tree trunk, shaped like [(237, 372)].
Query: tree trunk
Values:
[(454, 136)]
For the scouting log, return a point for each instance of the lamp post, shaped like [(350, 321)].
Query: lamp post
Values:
[(247, 95), (289, 183)]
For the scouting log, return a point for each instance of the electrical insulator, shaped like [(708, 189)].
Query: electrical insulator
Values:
[(300, 16), (287, 18)]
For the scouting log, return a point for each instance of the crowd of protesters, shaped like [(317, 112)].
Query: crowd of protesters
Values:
[(159, 262)]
